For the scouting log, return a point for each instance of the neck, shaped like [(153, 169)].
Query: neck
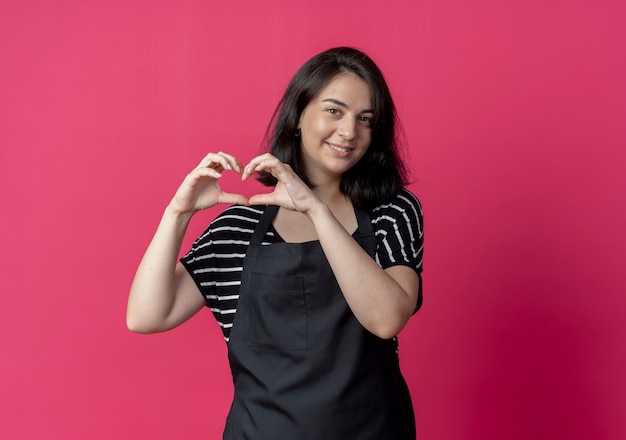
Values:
[(329, 193)]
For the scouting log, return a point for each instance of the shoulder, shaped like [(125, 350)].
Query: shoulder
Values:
[(236, 219), (399, 233), (238, 215), (404, 209), (234, 225)]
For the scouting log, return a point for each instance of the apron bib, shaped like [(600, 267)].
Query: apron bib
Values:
[(303, 366)]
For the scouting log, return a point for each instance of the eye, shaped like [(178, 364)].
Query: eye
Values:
[(366, 120), (333, 111)]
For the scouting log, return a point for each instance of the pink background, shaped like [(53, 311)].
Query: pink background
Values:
[(514, 112)]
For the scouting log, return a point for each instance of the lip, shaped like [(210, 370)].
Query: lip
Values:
[(339, 149)]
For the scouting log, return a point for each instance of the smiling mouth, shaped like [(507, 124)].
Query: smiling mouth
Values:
[(338, 148)]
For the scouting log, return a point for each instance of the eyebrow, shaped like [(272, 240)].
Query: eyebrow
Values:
[(344, 105)]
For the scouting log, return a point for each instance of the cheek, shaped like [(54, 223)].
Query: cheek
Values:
[(319, 126), (315, 130), (366, 137), (308, 139)]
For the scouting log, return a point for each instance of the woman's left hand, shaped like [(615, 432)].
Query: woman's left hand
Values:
[(290, 191)]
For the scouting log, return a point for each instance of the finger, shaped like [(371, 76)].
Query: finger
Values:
[(265, 162), (220, 161), (276, 168), (200, 173), (263, 199), (232, 198), (206, 160), (250, 168), (233, 163)]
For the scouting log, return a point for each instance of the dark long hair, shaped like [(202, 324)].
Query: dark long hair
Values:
[(380, 174)]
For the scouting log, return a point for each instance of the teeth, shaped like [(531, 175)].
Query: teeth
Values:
[(341, 150)]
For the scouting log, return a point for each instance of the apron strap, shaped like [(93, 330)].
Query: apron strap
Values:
[(264, 223), (366, 232)]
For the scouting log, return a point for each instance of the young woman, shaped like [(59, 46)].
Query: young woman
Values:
[(312, 281)]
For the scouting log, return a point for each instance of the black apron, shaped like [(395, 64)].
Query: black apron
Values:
[(303, 366)]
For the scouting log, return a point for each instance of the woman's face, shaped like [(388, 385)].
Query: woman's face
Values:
[(336, 128)]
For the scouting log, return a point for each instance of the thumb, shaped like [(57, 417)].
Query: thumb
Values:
[(232, 198), (263, 199)]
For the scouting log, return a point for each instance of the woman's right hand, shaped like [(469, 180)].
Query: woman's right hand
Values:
[(201, 190)]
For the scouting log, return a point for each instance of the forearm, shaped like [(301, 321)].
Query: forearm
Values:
[(380, 303), (152, 294)]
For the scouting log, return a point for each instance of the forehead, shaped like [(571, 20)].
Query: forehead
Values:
[(349, 89)]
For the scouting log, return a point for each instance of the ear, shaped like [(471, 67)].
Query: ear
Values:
[(300, 119), (298, 130)]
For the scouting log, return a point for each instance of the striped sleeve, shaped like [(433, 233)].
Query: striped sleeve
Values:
[(399, 232), (215, 261)]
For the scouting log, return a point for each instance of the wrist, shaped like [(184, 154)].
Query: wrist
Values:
[(177, 215), (318, 212)]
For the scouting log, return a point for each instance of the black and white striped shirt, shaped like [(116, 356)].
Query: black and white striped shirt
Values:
[(215, 261)]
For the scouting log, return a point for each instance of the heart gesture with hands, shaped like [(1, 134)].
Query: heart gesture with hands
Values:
[(201, 190)]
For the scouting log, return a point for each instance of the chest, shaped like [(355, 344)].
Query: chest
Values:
[(295, 227)]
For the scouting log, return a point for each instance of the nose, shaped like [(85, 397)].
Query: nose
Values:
[(347, 128)]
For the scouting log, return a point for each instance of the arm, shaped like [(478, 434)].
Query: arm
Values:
[(163, 295), (382, 300)]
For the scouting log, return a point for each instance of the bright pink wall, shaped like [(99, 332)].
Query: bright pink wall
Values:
[(514, 112)]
